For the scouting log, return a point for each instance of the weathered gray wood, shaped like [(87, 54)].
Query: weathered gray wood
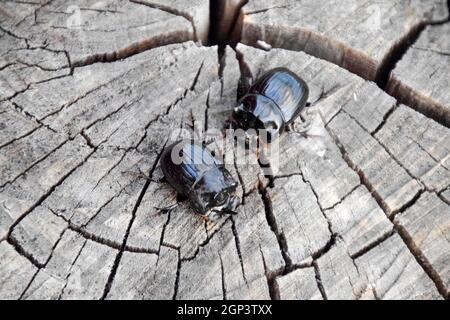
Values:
[(102, 31), (28, 151), (422, 77), (392, 183), (421, 145), (256, 242), (299, 220), (78, 269), (50, 282), (299, 285), (446, 196), (427, 224), (14, 12), (207, 270), (327, 30), (15, 272), (14, 124), (216, 273), (22, 67), (90, 272), (21, 196), (340, 276), (108, 190), (394, 273), (85, 117), (38, 233), (146, 276), (197, 12), (359, 220), (388, 271)]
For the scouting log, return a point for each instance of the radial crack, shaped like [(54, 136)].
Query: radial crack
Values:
[(415, 251), (130, 224)]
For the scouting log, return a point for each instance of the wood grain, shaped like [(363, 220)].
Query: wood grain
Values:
[(92, 93)]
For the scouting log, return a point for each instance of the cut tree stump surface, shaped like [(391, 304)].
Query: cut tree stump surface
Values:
[(422, 76), (92, 93)]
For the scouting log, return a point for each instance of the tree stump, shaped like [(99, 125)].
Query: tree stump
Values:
[(92, 93)]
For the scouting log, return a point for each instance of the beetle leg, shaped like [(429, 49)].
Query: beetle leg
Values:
[(301, 129), (304, 128), (243, 86), (168, 208), (229, 211), (204, 217), (141, 175), (162, 180)]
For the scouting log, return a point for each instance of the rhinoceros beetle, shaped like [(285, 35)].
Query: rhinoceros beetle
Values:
[(198, 176), (272, 102)]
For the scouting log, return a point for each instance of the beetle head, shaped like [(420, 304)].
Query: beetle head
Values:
[(256, 111), (214, 194)]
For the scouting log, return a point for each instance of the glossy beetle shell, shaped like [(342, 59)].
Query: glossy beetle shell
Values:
[(272, 102), (194, 173)]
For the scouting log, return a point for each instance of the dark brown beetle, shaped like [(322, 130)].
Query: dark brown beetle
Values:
[(272, 102), (197, 175)]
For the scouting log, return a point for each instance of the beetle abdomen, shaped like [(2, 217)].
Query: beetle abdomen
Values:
[(182, 163), (272, 102), (193, 172), (285, 88)]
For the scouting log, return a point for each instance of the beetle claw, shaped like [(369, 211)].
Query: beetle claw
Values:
[(168, 208), (204, 217), (303, 128), (243, 86)]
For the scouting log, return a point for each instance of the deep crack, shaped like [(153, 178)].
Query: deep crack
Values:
[(408, 241), (130, 224)]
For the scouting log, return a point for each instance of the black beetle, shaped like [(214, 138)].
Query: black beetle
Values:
[(197, 175), (272, 102)]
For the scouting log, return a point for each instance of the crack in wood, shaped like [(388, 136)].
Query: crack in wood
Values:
[(274, 290), (70, 269), (20, 250), (238, 248), (38, 161), (385, 119), (372, 245), (409, 242), (177, 276), (170, 10), (47, 194), (161, 240), (224, 289), (357, 58), (271, 220), (132, 49), (19, 138), (130, 224), (396, 53), (202, 244), (43, 265), (319, 281)]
